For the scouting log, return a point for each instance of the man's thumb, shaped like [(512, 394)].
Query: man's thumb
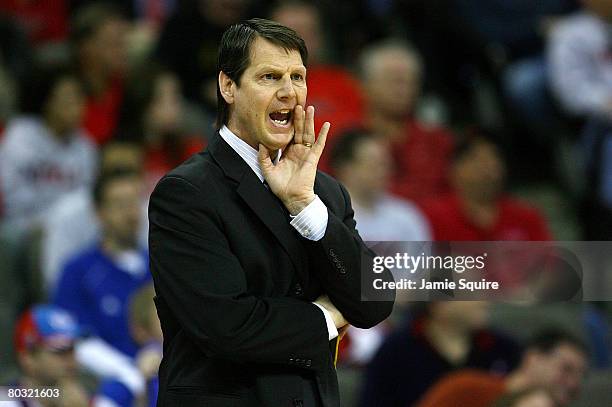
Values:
[(263, 155)]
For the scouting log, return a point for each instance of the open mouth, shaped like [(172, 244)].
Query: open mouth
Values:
[(281, 117)]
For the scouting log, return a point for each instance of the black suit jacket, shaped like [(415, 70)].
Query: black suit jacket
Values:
[(234, 284)]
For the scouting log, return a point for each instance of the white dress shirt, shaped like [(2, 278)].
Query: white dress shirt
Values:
[(311, 222)]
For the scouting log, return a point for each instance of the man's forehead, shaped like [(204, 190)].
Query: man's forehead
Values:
[(391, 60), (264, 52)]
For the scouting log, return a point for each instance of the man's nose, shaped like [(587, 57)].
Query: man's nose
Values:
[(286, 89)]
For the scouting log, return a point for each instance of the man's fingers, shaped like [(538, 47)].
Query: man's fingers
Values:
[(323, 300), (298, 124), (319, 145), (263, 156), (309, 132)]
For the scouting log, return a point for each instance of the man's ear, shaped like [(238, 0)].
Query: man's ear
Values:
[(227, 86)]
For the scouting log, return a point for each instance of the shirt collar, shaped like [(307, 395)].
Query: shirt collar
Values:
[(245, 151)]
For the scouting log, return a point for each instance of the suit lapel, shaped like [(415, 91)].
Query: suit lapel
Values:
[(261, 201)]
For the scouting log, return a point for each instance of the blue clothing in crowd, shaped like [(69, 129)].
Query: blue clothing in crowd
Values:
[(407, 364), (97, 289)]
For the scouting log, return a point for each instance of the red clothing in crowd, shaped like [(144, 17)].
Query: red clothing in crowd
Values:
[(421, 162), (159, 160), (515, 221), (467, 388), (512, 266), (338, 99), (44, 21), (102, 113)]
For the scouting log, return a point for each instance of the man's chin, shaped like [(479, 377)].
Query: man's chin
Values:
[(277, 140)]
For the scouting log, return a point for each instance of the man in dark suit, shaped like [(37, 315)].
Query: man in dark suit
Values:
[(254, 254)]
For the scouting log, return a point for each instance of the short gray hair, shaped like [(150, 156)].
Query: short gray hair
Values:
[(371, 54)]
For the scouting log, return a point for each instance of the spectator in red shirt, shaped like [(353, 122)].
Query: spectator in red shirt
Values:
[(391, 74), (554, 360), (44, 22), (478, 209), (99, 34), (332, 90)]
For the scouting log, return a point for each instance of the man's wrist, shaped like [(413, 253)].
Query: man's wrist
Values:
[(329, 321), (335, 315), (311, 222), (297, 205)]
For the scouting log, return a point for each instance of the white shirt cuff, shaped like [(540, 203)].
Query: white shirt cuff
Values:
[(103, 360), (331, 327), (311, 222)]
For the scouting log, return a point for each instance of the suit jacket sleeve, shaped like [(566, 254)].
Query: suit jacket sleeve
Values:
[(204, 285), (343, 265)]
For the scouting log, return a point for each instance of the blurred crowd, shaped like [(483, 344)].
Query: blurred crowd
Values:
[(451, 120)]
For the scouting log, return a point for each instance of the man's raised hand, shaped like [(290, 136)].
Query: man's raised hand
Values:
[(292, 178)]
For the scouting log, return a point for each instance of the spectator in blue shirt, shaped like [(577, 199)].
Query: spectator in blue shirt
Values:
[(96, 285)]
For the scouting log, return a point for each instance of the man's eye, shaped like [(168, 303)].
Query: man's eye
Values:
[(297, 77), (269, 76)]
